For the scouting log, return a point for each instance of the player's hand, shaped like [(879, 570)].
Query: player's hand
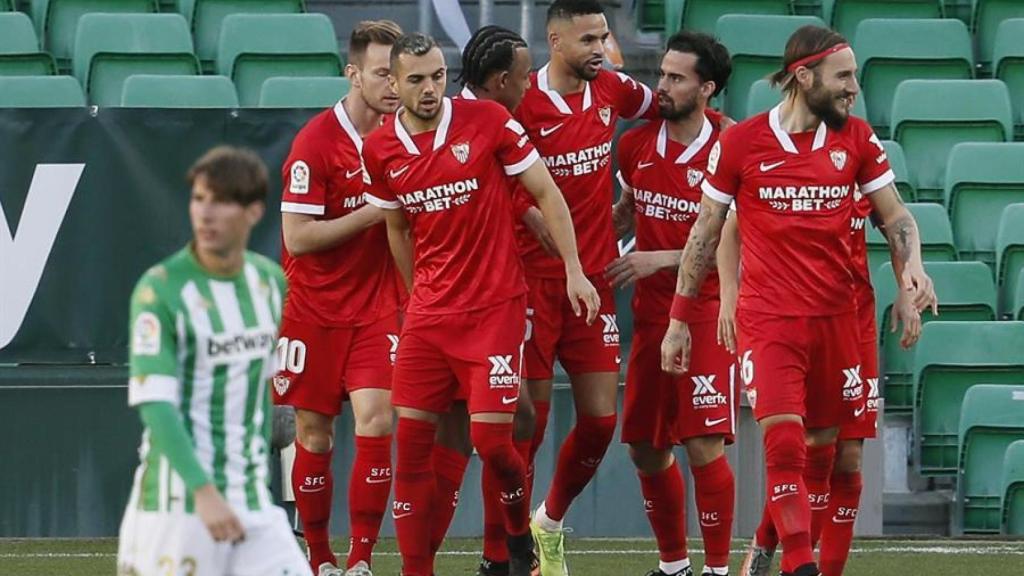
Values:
[(675, 348), (906, 312), (627, 269), (622, 219), (217, 515), (727, 321), (920, 286), (579, 288), (534, 221)]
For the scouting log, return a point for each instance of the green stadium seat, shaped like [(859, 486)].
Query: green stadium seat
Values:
[(966, 293), (7, 6), (929, 117), (703, 15), (890, 51), (981, 180), (1018, 298), (986, 17), (40, 92), (950, 358), (756, 44), (1013, 489), (904, 179), (1009, 255), (164, 91), (1008, 66), (936, 237), (763, 96), (208, 15), (991, 419), (292, 92), (111, 47), (845, 15), (60, 21), (254, 47), (19, 48), (650, 16)]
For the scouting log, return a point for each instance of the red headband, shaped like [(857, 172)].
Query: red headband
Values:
[(815, 57)]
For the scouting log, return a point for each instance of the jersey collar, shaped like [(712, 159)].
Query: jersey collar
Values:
[(555, 97), (783, 137), (694, 147), (347, 126), (467, 94), (440, 135)]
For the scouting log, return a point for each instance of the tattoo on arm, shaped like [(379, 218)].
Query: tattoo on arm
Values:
[(902, 235), (699, 253)]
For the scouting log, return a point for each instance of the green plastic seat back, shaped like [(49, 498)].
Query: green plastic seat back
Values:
[(1009, 255), (936, 237), (981, 180), (254, 47), (845, 15), (950, 358), (111, 47), (891, 51), (61, 18), (703, 15), (756, 44), (19, 48), (986, 18), (291, 92), (1008, 66), (40, 92), (904, 179), (208, 15), (160, 91), (932, 116), (991, 419), (1013, 489)]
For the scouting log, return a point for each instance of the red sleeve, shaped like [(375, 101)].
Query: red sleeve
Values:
[(304, 176), (874, 172), (514, 149), (724, 168), (378, 192), (633, 99)]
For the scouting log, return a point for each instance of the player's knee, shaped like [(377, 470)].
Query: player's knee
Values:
[(314, 431), (849, 455), (704, 450), (375, 424), (822, 436), (648, 459), (785, 446)]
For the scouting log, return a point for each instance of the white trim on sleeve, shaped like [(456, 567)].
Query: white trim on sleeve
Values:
[(522, 165), (622, 179), (152, 388), (300, 208), (648, 97), (878, 183), (715, 194), (381, 203)]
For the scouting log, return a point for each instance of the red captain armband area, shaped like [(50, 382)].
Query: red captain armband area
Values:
[(682, 308)]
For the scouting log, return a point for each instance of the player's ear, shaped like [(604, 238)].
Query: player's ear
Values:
[(352, 73), (707, 89), (254, 212), (804, 77)]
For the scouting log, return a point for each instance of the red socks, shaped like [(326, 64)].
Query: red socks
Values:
[(766, 536), (414, 495), (837, 532), (449, 469), (369, 488), (313, 485), (578, 460), (501, 462), (665, 504), (495, 537), (715, 492), (785, 458), (542, 411), (816, 474)]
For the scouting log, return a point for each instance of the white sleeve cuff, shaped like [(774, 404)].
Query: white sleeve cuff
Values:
[(381, 203), (715, 194), (878, 183), (297, 208), (523, 165), (622, 180), (152, 388)]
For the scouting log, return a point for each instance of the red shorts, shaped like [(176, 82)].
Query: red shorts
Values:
[(475, 355), (320, 366), (806, 365), (665, 410), (554, 330)]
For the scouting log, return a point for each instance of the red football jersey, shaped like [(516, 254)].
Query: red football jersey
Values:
[(794, 198), (353, 283), (665, 177), (573, 134), (453, 185)]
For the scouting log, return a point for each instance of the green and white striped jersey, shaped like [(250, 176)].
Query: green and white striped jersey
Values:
[(206, 344)]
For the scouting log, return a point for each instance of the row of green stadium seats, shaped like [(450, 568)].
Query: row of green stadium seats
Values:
[(109, 48)]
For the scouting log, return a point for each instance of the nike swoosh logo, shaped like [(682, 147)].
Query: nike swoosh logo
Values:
[(709, 525), (858, 412), (843, 520), (400, 516), (545, 132), (313, 491), (767, 167), (709, 422), (506, 400), (618, 360), (378, 480), (643, 165), (778, 497), (399, 172), (351, 174)]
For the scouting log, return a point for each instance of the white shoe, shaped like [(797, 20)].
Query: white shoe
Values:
[(360, 568), (328, 569)]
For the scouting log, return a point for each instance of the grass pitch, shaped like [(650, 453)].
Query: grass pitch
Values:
[(587, 557)]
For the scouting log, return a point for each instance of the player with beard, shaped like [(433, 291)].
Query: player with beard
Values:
[(444, 185), (661, 166), (340, 324), (792, 172)]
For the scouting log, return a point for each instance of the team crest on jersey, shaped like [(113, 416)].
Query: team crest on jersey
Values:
[(281, 384), (461, 152), (857, 194), (605, 112), (838, 157), (693, 177), (299, 178)]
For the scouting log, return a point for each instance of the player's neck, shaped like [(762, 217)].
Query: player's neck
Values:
[(364, 118), (563, 79), (796, 117), (686, 130), (415, 125), (226, 265)]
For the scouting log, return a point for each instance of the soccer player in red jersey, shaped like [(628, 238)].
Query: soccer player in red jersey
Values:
[(661, 165), (340, 328), (443, 183), (792, 172)]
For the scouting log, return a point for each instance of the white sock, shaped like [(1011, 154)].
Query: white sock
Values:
[(674, 567), (545, 522), (716, 571)]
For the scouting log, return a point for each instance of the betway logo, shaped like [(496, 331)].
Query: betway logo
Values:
[(704, 393), (440, 197), (502, 374), (23, 256), (247, 345)]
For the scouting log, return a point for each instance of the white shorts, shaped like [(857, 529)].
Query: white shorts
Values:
[(178, 544)]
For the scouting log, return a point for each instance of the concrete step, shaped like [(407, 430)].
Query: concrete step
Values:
[(921, 513)]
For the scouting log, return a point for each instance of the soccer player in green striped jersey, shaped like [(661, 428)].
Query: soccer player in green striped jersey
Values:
[(204, 326)]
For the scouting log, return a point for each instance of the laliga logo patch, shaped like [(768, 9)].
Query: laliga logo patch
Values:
[(693, 177), (299, 178), (605, 112), (838, 157), (461, 152)]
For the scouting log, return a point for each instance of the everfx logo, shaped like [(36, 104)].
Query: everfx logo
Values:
[(610, 329), (705, 395), (853, 388), (502, 374), (393, 351)]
